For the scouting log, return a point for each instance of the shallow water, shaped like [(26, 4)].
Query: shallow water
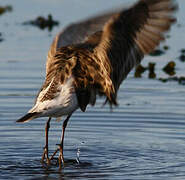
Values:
[(143, 138)]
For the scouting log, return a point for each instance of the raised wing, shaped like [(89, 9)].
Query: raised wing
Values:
[(131, 34), (77, 33), (105, 58)]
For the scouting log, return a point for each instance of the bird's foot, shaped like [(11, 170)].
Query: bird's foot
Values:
[(45, 157), (60, 157)]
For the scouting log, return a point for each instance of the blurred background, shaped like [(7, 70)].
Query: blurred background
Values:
[(142, 138)]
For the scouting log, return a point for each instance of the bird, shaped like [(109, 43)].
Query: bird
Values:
[(91, 58)]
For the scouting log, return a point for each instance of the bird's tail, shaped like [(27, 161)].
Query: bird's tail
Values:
[(28, 117)]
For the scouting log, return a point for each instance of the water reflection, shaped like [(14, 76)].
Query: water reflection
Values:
[(33, 169)]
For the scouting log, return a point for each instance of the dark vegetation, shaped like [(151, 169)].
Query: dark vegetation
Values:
[(182, 56), (141, 69), (157, 52), (4, 9), (180, 80), (1, 39), (169, 68), (43, 23)]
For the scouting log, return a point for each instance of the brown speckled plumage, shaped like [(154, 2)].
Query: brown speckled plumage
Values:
[(91, 74)]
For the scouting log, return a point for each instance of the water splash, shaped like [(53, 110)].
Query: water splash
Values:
[(78, 156), (78, 152)]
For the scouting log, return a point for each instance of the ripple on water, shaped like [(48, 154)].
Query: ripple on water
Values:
[(142, 138)]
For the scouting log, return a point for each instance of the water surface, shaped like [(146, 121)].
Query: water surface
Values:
[(143, 138)]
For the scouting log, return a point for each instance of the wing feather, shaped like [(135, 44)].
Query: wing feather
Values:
[(132, 33), (77, 33), (101, 51)]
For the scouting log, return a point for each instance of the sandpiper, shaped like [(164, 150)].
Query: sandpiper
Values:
[(93, 57)]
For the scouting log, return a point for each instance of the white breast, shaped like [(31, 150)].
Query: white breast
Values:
[(64, 103)]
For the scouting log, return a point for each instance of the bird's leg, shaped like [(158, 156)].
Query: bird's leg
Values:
[(45, 153), (61, 145)]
